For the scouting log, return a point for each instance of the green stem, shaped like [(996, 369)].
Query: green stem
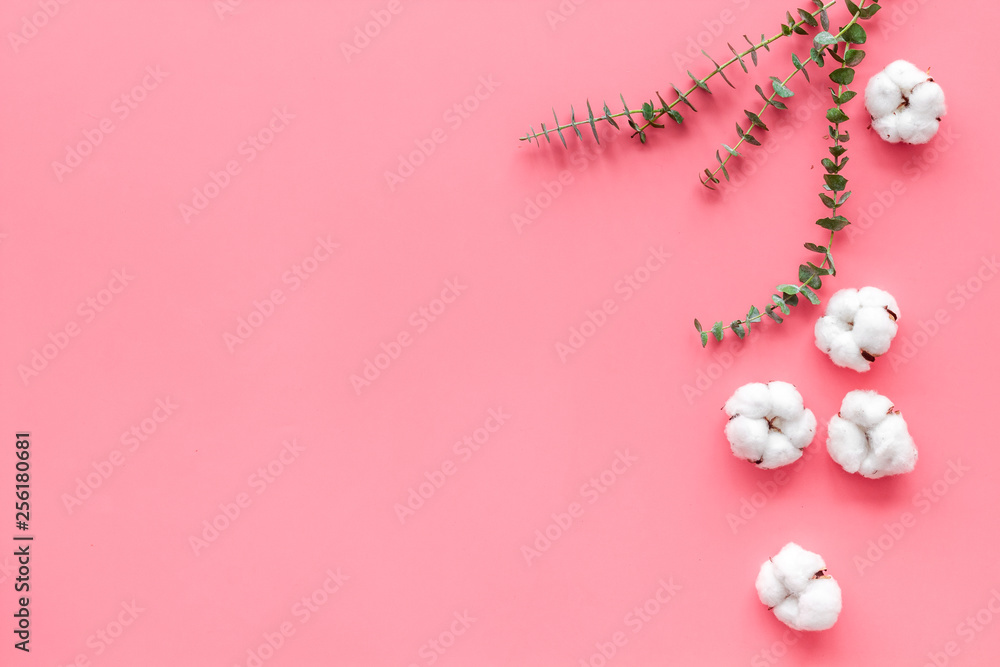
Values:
[(712, 176), (763, 44), (659, 112)]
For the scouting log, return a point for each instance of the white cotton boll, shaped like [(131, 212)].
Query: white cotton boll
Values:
[(882, 95), (846, 353), (751, 400), (877, 298), (858, 326), (800, 431), (874, 330), (886, 127), (795, 566), (843, 304), (795, 586), (905, 74), (870, 437), (759, 414), (828, 330), (846, 443), (769, 588), (893, 452), (779, 451), (786, 401), (748, 437), (927, 100), (819, 605), (865, 407), (912, 112), (914, 128)]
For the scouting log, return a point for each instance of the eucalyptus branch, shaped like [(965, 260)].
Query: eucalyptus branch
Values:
[(834, 185), (821, 43), (650, 112)]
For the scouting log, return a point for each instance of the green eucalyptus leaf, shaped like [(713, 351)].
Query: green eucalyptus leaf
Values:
[(852, 57), (717, 330), (813, 299), (855, 34), (835, 115), (824, 39), (780, 88), (835, 182), (755, 119), (842, 75), (834, 224)]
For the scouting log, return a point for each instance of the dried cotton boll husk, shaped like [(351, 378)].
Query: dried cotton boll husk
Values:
[(870, 437), (768, 424), (905, 104), (858, 326), (795, 586)]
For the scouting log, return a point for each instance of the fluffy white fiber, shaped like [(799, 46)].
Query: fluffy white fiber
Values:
[(905, 104), (794, 585), (768, 424), (870, 437), (858, 326)]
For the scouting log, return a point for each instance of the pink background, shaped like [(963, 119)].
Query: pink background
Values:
[(120, 564)]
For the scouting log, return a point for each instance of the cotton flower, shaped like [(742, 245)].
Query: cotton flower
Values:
[(858, 326), (905, 104), (795, 585), (869, 436), (768, 424)]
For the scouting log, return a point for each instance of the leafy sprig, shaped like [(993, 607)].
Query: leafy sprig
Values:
[(835, 191), (822, 43), (651, 112)]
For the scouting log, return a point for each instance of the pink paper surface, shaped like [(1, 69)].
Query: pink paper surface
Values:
[(289, 331)]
